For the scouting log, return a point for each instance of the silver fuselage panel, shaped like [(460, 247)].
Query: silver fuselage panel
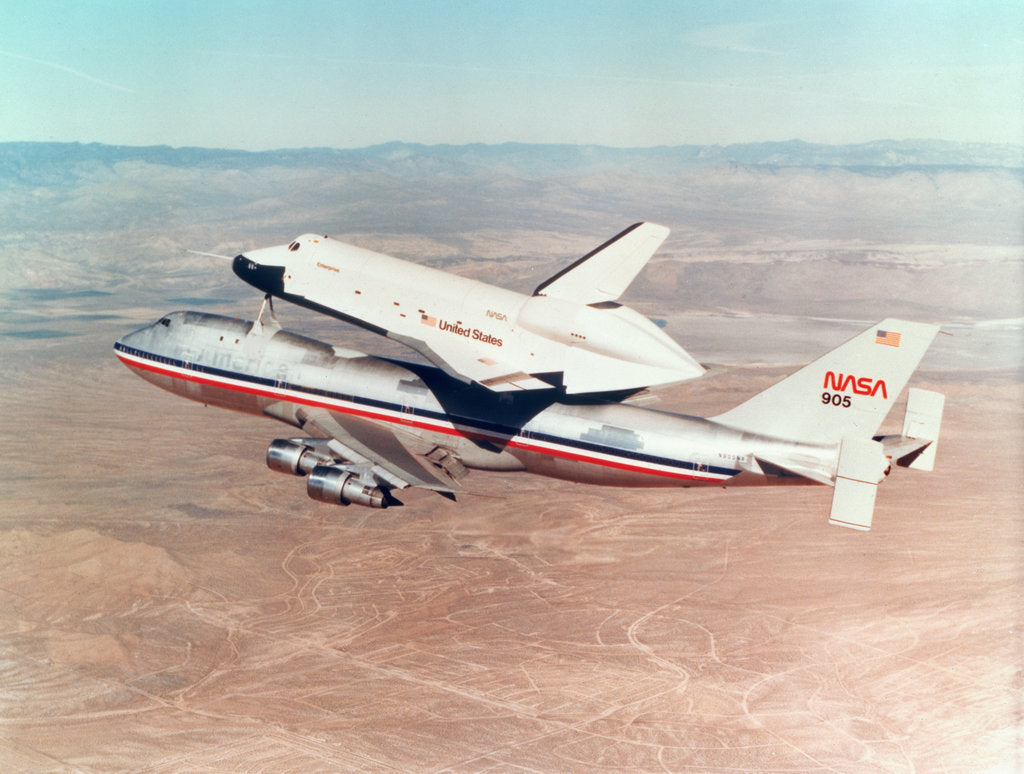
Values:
[(241, 365)]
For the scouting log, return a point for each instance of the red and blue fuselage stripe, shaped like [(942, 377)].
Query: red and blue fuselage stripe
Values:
[(425, 419)]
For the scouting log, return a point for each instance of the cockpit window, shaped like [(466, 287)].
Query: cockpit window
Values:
[(164, 321), (294, 246)]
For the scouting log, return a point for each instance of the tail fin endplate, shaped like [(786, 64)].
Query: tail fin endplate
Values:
[(922, 422)]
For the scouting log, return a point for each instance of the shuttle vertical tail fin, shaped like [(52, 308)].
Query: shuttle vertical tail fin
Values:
[(603, 274)]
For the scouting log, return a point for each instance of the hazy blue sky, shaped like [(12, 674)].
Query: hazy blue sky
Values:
[(261, 75)]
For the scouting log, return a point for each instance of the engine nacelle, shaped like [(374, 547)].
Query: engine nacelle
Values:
[(335, 485), (290, 457)]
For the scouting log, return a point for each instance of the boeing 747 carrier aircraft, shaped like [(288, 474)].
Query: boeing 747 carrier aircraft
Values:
[(369, 426)]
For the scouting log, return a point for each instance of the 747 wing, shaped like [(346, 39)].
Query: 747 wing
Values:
[(356, 459)]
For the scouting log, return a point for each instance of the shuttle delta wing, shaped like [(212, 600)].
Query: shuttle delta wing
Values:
[(605, 273), (462, 363), (573, 368)]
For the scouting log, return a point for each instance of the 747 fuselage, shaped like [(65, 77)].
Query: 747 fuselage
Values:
[(222, 362), (380, 425)]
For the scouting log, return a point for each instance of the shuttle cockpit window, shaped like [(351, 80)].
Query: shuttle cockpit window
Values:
[(293, 246)]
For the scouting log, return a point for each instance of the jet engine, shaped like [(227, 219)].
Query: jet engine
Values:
[(329, 482), (338, 486), (293, 457)]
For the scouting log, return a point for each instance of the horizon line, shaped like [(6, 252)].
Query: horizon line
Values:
[(507, 143)]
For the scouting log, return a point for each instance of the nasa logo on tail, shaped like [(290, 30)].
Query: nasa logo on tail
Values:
[(863, 385)]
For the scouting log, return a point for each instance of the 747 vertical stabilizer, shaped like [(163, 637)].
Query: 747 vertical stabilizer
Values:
[(842, 398)]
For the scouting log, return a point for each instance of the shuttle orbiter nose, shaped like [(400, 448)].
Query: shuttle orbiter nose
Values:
[(266, 277)]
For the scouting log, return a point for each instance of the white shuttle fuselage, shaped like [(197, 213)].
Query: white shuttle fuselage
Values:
[(572, 334)]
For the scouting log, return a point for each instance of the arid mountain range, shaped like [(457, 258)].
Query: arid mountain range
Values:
[(928, 230)]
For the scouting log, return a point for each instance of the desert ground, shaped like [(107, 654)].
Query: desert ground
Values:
[(168, 604)]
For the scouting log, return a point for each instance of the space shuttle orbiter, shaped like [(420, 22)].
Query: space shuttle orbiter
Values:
[(572, 333)]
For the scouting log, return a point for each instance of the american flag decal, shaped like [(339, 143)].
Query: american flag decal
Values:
[(889, 338), (426, 319)]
